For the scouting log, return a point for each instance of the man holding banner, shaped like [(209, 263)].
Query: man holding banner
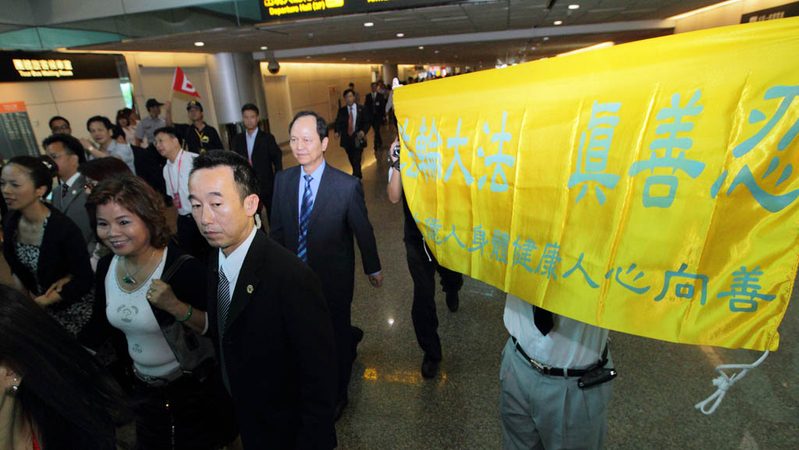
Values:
[(554, 385)]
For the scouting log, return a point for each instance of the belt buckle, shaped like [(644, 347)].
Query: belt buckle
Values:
[(543, 368)]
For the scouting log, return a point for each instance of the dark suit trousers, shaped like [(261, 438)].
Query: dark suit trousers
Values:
[(341, 316), (376, 127), (423, 266), (190, 239), (355, 155)]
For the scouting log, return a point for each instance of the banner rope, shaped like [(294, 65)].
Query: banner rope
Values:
[(724, 382)]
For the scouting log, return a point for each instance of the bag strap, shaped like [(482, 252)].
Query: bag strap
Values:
[(170, 272)]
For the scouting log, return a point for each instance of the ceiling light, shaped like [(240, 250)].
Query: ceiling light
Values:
[(546, 38), (368, 24), (344, 58), (308, 57), (436, 52), (199, 44), (263, 47), (421, 47), (574, 6), (557, 22), (702, 10), (589, 48), (400, 34)]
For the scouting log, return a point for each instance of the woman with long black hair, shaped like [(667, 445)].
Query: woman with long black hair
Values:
[(53, 394)]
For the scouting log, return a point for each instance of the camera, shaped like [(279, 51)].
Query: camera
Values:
[(395, 153), (273, 67)]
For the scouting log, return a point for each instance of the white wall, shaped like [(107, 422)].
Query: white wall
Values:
[(77, 100), (725, 15), (310, 86)]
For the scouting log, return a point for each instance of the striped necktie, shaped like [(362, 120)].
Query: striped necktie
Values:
[(223, 300), (305, 216)]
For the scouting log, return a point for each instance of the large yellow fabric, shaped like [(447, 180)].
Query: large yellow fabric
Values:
[(647, 188)]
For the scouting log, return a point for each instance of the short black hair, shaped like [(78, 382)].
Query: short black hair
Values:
[(172, 131), (347, 91), (54, 118), (71, 145), (321, 125), (42, 169), (250, 107), (243, 174), (102, 119)]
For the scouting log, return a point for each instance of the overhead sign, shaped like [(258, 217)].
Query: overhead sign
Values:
[(649, 188), (39, 66), (274, 10), (779, 12)]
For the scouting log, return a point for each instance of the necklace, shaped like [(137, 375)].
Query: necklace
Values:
[(129, 278)]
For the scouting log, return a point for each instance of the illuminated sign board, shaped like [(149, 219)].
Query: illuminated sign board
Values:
[(779, 12), (278, 10), (40, 66)]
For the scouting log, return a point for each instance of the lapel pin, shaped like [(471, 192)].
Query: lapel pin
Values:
[(250, 289)]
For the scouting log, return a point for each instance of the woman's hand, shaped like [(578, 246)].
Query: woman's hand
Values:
[(53, 294), (162, 297)]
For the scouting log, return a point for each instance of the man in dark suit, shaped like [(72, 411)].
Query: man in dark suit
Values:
[(273, 329), (70, 197), (317, 211), (352, 123), (261, 150), (375, 106)]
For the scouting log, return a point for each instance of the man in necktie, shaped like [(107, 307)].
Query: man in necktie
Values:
[(272, 324), (554, 378), (68, 154), (375, 105), (352, 123), (317, 212)]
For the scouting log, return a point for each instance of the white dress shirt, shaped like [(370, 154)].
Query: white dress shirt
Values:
[(232, 263)]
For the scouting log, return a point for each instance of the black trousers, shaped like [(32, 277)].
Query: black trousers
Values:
[(190, 239), (376, 127), (355, 155), (423, 267), (185, 414), (341, 318)]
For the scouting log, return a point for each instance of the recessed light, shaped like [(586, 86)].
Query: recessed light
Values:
[(308, 57), (574, 6), (199, 44), (400, 34), (344, 58), (421, 47), (557, 22), (263, 47), (368, 24), (436, 52), (546, 38)]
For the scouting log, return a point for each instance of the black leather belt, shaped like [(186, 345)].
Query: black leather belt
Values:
[(557, 371)]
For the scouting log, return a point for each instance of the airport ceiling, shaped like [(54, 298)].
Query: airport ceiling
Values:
[(466, 33)]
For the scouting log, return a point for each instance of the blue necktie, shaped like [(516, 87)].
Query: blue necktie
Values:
[(305, 216)]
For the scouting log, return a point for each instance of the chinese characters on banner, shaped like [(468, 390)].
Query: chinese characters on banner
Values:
[(648, 192)]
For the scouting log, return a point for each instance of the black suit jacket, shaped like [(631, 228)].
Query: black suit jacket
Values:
[(267, 159), (362, 123), (339, 213), (278, 350), (62, 252), (375, 105)]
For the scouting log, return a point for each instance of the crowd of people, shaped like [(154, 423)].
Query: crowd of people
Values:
[(234, 321)]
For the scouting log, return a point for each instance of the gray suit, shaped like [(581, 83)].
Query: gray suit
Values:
[(73, 205)]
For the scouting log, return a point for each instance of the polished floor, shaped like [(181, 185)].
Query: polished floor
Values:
[(393, 407)]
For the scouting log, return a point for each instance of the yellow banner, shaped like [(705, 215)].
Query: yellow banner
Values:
[(647, 188)]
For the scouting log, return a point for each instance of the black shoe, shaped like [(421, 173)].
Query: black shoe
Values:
[(339, 410), (430, 367), (453, 301)]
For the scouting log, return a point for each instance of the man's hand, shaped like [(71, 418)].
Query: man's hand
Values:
[(376, 280)]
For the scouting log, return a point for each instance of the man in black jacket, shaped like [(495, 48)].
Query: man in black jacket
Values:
[(352, 123), (375, 105), (274, 334), (261, 150)]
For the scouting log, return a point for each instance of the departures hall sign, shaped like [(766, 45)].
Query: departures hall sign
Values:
[(274, 10)]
